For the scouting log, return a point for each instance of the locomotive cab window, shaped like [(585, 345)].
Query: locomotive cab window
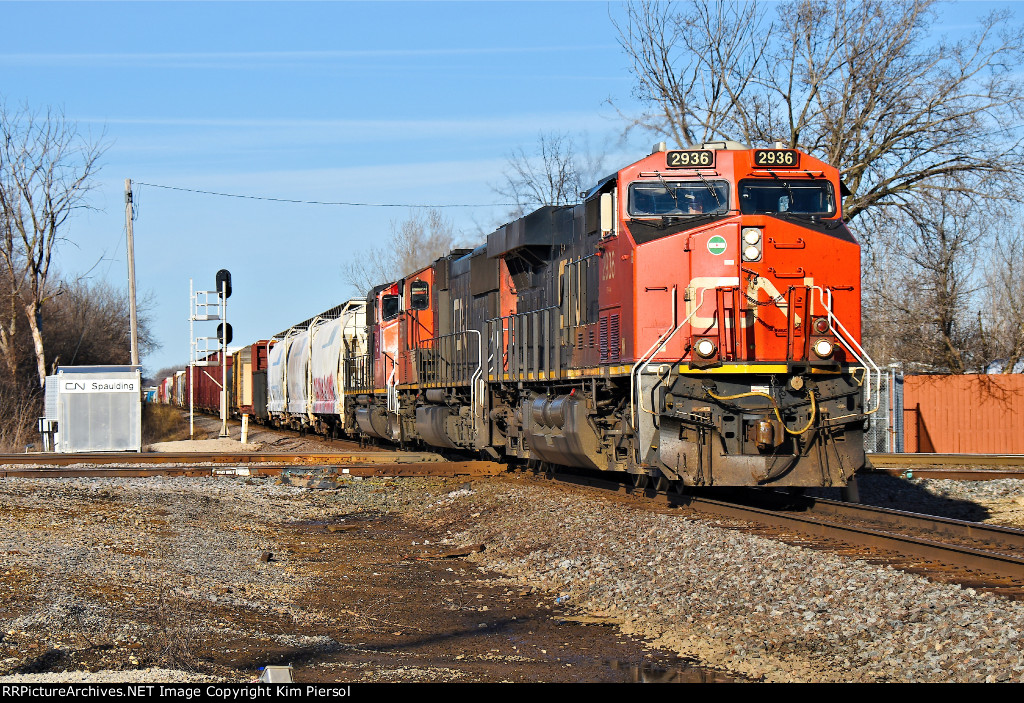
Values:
[(390, 306), (678, 198), (799, 197), (419, 295)]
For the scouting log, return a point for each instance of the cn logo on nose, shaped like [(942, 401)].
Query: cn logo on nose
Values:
[(717, 244)]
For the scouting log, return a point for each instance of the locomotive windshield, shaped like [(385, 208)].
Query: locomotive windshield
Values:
[(675, 198), (390, 306), (799, 197)]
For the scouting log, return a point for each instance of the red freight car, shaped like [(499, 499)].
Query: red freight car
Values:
[(207, 377)]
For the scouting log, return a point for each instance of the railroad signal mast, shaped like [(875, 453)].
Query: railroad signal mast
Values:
[(205, 305)]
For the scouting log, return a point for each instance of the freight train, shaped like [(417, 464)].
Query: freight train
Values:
[(694, 321)]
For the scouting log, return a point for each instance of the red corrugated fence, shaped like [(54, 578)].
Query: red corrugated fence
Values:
[(969, 414)]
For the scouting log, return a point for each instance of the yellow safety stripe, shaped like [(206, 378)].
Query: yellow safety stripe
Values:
[(611, 371)]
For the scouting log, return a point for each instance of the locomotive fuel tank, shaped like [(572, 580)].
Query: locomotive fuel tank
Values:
[(558, 431), (374, 421)]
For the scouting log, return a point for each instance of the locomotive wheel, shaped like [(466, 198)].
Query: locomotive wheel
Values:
[(641, 481)]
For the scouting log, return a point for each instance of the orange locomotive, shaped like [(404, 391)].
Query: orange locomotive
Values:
[(695, 320)]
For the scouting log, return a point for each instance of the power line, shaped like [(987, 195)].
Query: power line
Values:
[(317, 202)]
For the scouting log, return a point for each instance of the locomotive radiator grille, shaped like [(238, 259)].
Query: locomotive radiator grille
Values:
[(608, 335)]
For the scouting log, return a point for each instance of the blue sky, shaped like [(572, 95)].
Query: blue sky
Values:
[(358, 102)]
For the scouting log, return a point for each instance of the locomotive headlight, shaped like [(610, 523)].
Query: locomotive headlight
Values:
[(705, 348), (751, 243), (823, 348)]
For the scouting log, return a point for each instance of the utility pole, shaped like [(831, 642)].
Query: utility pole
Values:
[(128, 207)]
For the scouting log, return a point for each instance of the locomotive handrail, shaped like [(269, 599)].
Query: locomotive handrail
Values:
[(343, 369), (513, 330), (476, 392), (476, 397), (653, 352), (855, 348), (359, 374), (645, 359), (392, 390), (437, 353), (640, 402), (525, 312), (493, 333)]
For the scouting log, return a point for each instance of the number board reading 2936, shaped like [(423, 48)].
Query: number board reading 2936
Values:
[(776, 158), (699, 158)]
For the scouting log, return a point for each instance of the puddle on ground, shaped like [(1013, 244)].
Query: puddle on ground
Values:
[(681, 672)]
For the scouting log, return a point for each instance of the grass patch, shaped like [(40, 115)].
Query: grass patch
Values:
[(20, 407), (163, 423)]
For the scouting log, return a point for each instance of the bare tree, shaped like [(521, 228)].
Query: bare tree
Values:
[(1002, 313), (155, 377), (415, 242), (13, 275), (693, 65), (865, 85), (46, 170), (552, 175), (922, 292), (89, 324)]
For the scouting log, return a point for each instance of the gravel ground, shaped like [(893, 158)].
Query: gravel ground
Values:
[(83, 551), (734, 601), (747, 604)]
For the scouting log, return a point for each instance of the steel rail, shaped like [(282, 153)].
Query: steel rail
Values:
[(880, 461), (289, 458), (941, 553), (1008, 537), (444, 469), (950, 474), (990, 562)]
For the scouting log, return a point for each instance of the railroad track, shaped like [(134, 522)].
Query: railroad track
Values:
[(145, 458), (961, 467), (987, 557), (240, 463)]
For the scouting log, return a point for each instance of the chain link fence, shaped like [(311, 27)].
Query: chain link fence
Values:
[(885, 433)]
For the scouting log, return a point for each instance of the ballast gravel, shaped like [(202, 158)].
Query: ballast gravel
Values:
[(744, 603), (731, 600)]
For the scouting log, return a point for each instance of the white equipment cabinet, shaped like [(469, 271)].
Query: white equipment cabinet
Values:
[(93, 409)]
